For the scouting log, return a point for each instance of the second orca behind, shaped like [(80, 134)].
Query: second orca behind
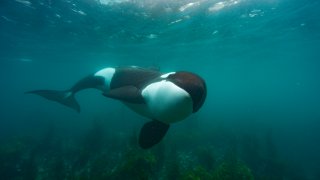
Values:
[(164, 98)]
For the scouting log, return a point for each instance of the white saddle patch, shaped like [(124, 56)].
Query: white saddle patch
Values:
[(107, 74)]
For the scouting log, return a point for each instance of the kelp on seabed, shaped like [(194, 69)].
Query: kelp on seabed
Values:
[(95, 155)]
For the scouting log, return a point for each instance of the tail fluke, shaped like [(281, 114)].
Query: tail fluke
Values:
[(63, 97)]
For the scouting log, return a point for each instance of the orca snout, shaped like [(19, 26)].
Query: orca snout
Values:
[(193, 84)]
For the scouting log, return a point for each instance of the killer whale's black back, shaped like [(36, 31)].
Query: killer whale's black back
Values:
[(128, 76)]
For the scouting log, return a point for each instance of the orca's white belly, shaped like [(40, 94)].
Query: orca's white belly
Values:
[(165, 102)]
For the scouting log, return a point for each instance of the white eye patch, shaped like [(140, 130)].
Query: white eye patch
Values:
[(166, 75)]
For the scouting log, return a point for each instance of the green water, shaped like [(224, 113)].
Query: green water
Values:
[(260, 60)]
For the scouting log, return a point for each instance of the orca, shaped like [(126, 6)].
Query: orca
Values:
[(165, 98)]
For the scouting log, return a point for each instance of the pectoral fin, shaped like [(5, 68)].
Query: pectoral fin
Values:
[(151, 133), (129, 94)]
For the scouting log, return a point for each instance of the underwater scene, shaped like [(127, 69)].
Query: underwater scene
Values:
[(258, 111)]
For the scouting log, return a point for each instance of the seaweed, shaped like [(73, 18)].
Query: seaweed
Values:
[(232, 170), (15, 158), (173, 170), (231, 167), (117, 156), (206, 157), (197, 173), (136, 164)]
